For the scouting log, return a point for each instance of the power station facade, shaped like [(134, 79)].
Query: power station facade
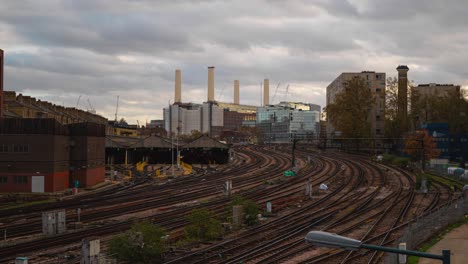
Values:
[(216, 118)]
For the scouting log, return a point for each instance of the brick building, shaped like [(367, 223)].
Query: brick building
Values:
[(42, 155)]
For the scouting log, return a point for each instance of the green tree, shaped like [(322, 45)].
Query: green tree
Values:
[(143, 243), (451, 108), (203, 225), (392, 122), (250, 209), (351, 111)]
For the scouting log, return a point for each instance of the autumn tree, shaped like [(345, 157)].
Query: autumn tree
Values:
[(421, 146), (350, 112)]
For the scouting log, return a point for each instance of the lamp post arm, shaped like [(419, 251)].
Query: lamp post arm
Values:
[(445, 257)]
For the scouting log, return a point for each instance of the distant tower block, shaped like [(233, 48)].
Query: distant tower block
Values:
[(178, 87), (211, 84), (236, 91), (402, 111), (266, 92)]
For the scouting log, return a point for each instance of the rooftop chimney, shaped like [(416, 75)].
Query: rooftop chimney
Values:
[(266, 92), (1, 83), (236, 91), (178, 87), (211, 84)]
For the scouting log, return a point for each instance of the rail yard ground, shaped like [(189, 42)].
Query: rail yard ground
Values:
[(365, 200)]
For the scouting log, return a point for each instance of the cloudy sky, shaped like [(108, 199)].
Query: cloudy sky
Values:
[(59, 50)]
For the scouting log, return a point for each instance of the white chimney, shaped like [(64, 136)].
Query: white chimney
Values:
[(178, 87), (236, 91), (211, 84)]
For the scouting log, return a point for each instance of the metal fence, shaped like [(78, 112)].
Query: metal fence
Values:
[(442, 170), (423, 228)]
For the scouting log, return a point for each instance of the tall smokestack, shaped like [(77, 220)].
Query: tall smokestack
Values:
[(211, 84), (236, 91), (402, 110), (1, 83), (266, 92), (178, 87)]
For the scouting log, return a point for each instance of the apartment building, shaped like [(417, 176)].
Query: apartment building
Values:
[(375, 81)]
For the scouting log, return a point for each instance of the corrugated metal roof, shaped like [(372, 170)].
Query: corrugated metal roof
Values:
[(123, 142), (205, 142), (136, 142), (156, 142)]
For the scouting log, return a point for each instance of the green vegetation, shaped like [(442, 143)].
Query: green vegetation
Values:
[(203, 225), (143, 243), (419, 178), (25, 204), (426, 246), (250, 209), (401, 162), (446, 181), (350, 111)]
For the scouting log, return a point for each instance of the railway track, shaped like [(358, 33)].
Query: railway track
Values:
[(367, 201)]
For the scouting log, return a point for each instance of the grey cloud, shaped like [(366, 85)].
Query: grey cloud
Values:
[(106, 48)]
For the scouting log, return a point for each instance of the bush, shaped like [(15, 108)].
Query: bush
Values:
[(400, 162), (388, 158), (143, 243), (249, 207), (203, 225)]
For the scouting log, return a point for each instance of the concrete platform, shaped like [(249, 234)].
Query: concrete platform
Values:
[(456, 241)]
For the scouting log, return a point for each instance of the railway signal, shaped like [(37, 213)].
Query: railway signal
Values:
[(227, 187)]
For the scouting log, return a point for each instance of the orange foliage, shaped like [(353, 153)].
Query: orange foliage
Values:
[(415, 142)]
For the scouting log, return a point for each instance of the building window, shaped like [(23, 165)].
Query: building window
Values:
[(377, 90), (20, 148), (20, 179), (3, 179), (377, 131), (377, 76), (4, 148), (377, 118)]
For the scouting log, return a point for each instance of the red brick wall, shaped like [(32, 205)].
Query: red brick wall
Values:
[(15, 187), (57, 182), (90, 177), (52, 182)]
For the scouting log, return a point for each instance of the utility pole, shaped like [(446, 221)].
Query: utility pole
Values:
[(423, 158), (293, 156)]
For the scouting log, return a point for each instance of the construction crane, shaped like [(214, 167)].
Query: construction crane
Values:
[(117, 108), (273, 100), (78, 101), (91, 108), (286, 94), (221, 94)]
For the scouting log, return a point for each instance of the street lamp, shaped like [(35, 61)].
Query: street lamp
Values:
[(330, 240)]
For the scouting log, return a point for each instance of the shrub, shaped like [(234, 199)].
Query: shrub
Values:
[(203, 225), (143, 243)]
